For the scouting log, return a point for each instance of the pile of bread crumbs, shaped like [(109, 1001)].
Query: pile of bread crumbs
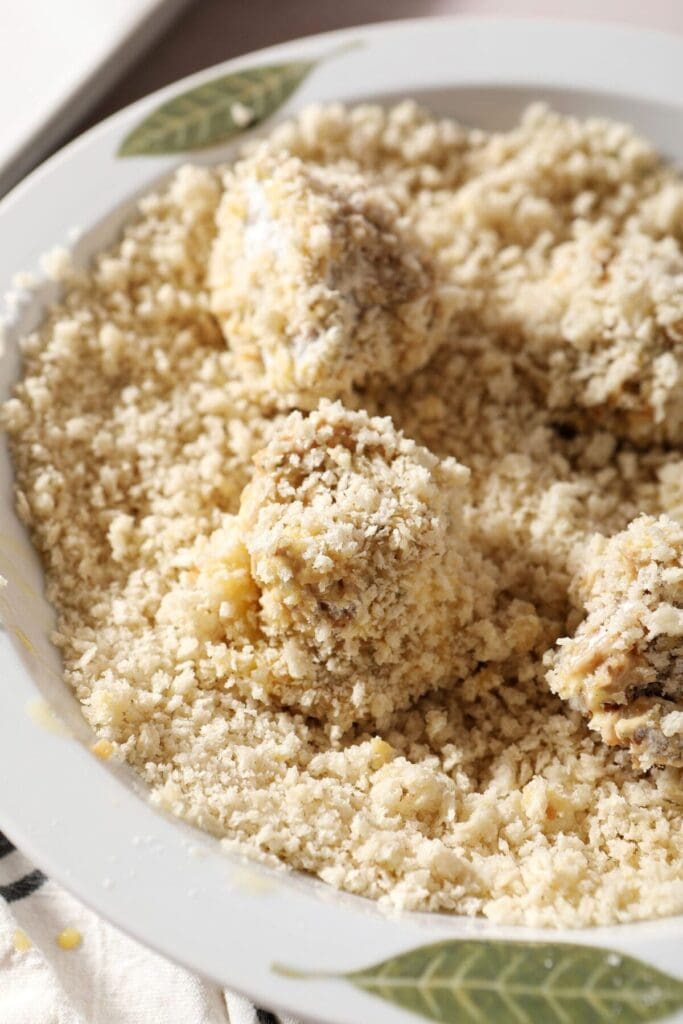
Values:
[(545, 272)]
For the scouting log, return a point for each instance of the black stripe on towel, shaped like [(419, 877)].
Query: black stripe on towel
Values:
[(265, 1017), (23, 887), (5, 846)]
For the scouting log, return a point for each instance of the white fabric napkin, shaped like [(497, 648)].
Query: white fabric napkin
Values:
[(106, 979)]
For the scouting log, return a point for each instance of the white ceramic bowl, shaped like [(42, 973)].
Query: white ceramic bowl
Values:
[(88, 824)]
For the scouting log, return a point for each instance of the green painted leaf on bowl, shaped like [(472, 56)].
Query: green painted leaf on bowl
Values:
[(500, 982), (215, 111)]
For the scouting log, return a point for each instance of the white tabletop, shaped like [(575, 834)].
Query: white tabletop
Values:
[(56, 58)]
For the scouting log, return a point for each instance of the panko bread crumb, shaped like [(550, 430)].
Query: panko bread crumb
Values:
[(133, 432), (624, 665)]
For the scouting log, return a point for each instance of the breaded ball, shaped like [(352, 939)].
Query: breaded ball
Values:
[(344, 587), (604, 330), (356, 543), (316, 284), (624, 665)]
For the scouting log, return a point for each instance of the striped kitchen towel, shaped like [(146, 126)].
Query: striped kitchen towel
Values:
[(62, 964)]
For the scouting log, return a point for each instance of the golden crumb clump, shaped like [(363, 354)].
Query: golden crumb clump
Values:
[(357, 551), (624, 665), (316, 283), (591, 275), (610, 331)]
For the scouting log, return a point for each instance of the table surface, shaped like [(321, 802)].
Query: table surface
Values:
[(211, 31)]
